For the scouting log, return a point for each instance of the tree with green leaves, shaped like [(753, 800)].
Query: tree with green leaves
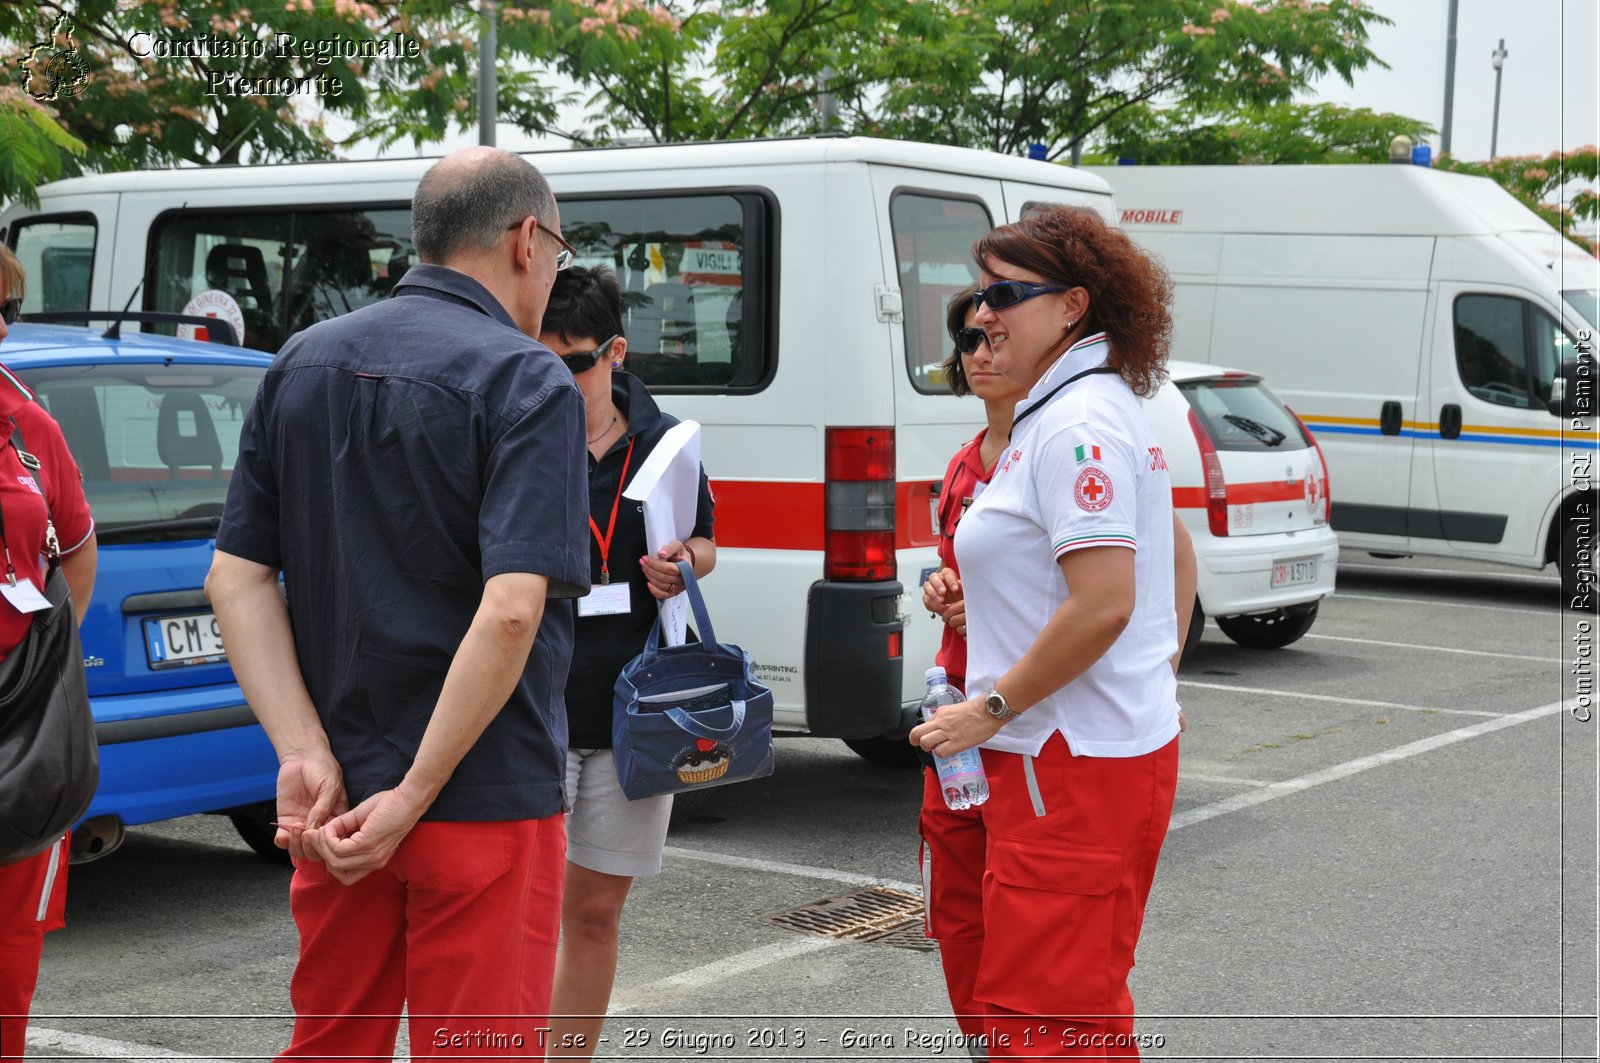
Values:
[(1264, 135), (1538, 181), (35, 146)]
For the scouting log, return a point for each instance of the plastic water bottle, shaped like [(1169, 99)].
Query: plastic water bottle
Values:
[(961, 776)]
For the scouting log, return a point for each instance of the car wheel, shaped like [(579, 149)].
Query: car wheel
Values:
[(1577, 580), (885, 752), (254, 825), (1269, 631), (1197, 624)]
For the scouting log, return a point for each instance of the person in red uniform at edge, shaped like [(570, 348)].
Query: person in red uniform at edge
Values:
[(1068, 573), (953, 840), (415, 469), (33, 891), (611, 840)]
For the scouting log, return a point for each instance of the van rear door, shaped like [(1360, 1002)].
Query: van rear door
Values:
[(928, 224)]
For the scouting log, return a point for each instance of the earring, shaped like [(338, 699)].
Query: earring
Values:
[(1070, 325), (616, 365)]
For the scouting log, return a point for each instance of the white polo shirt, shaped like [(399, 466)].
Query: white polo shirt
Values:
[(1084, 471)]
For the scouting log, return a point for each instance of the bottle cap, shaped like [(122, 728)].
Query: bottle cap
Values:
[(934, 672)]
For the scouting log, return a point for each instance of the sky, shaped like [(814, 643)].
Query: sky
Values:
[(1548, 92)]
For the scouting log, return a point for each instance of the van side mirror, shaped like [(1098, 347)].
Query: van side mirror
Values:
[(1572, 390)]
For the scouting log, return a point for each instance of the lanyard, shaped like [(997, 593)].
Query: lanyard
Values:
[(611, 525), (1052, 394)]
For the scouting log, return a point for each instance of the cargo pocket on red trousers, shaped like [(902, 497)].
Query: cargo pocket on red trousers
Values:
[(1049, 911)]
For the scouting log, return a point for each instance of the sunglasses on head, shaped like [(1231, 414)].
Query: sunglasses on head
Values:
[(582, 363), (1002, 294), (968, 340), (11, 309)]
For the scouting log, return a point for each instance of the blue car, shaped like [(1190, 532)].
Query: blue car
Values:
[(154, 425)]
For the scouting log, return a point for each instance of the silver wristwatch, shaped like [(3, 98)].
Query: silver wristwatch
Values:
[(995, 702)]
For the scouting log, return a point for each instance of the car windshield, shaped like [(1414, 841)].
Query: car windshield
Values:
[(1584, 302), (1240, 414), (155, 443)]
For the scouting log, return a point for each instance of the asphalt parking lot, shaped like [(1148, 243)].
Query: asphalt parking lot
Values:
[(1383, 848)]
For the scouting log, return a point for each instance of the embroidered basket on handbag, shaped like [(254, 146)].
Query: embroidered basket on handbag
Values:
[(691, 716)]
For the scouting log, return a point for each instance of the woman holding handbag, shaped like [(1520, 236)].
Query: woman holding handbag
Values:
[(41, 499), (610, 839)]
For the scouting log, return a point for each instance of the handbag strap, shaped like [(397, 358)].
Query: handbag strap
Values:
[(697, 603), (705, 730), (52, 545)]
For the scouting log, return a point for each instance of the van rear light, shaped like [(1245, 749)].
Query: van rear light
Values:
[(1311, 441), (859, 543), (1216, 483)]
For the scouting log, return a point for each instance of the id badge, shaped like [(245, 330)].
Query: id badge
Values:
[(603, 599), (24, 597)]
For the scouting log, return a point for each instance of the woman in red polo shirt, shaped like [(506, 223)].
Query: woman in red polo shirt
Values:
[(33, 891)]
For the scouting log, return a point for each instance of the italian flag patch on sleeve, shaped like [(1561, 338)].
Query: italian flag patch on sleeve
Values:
[(1086, 452)]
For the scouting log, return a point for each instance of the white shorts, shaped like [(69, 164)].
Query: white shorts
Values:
[(606, 832)]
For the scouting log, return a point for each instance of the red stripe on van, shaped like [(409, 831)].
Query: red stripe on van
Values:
[(1241, 494), (761, 515)]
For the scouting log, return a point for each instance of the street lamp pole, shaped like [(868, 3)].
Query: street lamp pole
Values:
[(1498, 58), (1449, 81), (488, 81)]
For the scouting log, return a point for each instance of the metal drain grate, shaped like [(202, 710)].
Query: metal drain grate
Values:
[(876, 915)]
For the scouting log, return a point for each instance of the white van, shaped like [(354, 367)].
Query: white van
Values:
[(1416, 320), (787, 295)]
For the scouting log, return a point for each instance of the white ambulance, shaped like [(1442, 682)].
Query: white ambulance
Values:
[(787, 295), (1418, 321)]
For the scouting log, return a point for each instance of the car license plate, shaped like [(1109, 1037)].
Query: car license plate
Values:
[(175, 641), (1293, 573)]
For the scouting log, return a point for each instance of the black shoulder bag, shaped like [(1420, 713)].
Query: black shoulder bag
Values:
[(49, 761)]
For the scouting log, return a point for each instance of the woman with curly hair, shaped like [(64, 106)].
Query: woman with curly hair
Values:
[(1067, 562)]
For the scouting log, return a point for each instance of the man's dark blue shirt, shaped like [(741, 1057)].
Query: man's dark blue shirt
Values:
[(395, 459)]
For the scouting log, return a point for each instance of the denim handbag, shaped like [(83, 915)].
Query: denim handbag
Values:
[(692, 716)]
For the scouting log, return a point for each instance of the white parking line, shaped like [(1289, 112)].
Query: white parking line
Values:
[(1352, 767), (1476, 608), (1437, 649), (827, 874), (1553, 581), (42, 1041), (1336, 700), (1182, 775), (649, 996)]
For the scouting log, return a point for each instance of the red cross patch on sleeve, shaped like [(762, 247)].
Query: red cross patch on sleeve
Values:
[(1093, 490)]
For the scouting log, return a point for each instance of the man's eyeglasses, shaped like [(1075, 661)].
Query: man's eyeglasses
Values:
[(567, 253), (1009, 293), (582, 363), (968, 340), (11, 309)]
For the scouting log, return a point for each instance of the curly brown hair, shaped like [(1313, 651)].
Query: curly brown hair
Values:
[(955, 319), (1128, 290)]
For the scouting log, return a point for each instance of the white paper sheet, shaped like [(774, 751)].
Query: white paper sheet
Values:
[(668, 483)]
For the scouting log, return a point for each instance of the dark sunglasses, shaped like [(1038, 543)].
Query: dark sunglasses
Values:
[(968, 340), (11, 309), (1002, 294), (582, 363)]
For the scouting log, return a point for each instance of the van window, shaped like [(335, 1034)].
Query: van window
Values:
[(57, 254), (156, 444), (1239, 414), (286, 269), (694, 282), (1507, 350), (933, 238)]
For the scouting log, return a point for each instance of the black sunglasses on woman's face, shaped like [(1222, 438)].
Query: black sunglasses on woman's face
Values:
[(968, 340), (1002, 294), (582, 363), (11, 309)]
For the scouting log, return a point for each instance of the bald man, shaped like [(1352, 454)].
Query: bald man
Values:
[(416, 472)]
